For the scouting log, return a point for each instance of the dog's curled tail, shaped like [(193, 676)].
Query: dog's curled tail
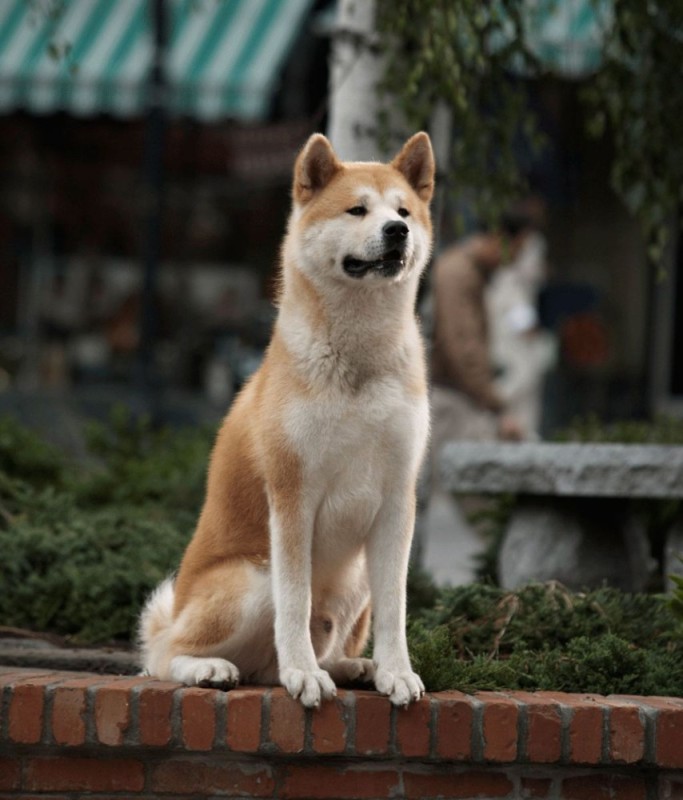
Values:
[(155, 625)]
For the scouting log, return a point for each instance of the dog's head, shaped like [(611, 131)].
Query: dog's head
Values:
[(358, 222)]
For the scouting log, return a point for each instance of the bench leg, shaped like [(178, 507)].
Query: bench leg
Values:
[(581, 543), (673, 553)]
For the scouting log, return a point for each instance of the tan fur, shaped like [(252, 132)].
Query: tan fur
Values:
[(310, 492), (358, 637)]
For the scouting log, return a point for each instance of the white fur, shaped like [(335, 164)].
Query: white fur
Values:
[(155, 622), (361, 441), (192, 670)]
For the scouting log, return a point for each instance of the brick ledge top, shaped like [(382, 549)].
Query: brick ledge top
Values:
[(82, 710)]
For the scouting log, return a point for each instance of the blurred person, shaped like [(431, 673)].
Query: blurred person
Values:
[(466, 401), (521, 352)]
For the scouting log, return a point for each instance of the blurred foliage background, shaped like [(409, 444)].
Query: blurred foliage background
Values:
[(466, 55)]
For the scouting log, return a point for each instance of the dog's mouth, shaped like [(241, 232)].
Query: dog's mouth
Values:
[(388, 265)]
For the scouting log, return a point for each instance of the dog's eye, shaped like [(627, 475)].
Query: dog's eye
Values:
[(403, 212), (357, 211)]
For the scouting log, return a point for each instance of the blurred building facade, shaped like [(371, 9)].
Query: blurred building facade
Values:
[(243, 81), (246, 82)]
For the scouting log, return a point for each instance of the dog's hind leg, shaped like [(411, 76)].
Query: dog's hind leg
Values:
[(221, 631), (358, 638), (219, 673), (345, 663)]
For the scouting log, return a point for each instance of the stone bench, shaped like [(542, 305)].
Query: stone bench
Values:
[(574, 520)]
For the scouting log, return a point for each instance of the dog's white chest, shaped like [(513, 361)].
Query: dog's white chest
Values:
[(353, 449), (378, 422)]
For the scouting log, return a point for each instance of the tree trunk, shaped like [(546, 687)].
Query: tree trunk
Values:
[(356, 69)]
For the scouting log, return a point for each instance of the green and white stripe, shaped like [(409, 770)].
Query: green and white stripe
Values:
[(94, 56), (567, 36)]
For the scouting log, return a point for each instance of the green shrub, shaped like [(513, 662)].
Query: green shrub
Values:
[(83, 544), (81, 549), (661, 430), (545, 637), (81, 573), (25, 455), (140, 464), (676, 600)]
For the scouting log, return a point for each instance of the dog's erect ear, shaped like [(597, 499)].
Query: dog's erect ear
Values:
[(315, 167), (416, 163)]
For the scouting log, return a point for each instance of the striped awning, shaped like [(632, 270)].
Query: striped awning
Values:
[(566, 36), (88, 57)]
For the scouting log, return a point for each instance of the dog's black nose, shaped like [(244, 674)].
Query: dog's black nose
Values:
[(395, 232)]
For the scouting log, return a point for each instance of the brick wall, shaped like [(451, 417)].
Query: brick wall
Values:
[(70, 735)]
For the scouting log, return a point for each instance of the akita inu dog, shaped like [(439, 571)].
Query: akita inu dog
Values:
[(310, 501)]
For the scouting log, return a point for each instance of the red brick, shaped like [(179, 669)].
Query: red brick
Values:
[(544, 728), (155, 708), (413, 728), (586, 787), (193, 778), (10, 773), (84, 774), (669, 751), (609, 787), (287, 722), (500, 718), (373, 723), (26, 711), (423, 785), (535, 788), (318, 782), (112, 711), (626, 734), (329, 726), (585, 735), (244, 720), (454, 726), (198, 710), (68, 711)]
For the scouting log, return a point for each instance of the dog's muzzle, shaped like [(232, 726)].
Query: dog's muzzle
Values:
[(392, 260)]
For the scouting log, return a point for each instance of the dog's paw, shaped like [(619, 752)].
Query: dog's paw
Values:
[(309, 686), (402, 687), (350, 670), (216, 673)]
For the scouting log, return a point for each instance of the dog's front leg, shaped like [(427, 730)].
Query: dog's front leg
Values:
[(388, 551), (291, 539)]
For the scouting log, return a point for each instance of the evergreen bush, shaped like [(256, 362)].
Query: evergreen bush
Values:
[(662, 430), (82, 547), (83, 544), (545, 637), (140, 464), (23, 454), (81, 572), (677, 594)]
